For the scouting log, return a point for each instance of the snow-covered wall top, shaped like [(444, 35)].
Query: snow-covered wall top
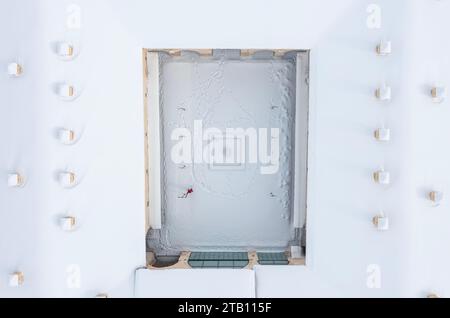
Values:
[(345, 252)]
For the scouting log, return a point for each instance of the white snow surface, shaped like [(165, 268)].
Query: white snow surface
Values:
[(233, 205)]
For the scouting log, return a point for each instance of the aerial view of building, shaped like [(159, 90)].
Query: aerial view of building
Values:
[(240, 149)]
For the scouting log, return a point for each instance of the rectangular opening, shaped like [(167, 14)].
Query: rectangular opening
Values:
[(226, 152)]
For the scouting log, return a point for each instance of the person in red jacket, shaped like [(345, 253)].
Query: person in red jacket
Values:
[(187, 193)]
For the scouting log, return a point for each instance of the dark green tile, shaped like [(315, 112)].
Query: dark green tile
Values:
[(210, 264)]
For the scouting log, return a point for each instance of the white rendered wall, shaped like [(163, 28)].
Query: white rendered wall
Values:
[(198, 283), (342, 197)]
